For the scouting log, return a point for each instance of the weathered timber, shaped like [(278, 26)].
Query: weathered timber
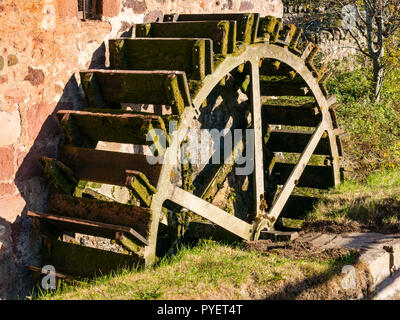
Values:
[(287, 35), (127, 242), (165, 117), (93, 90), (294, 44), (211, 212), (275, 68), (46, 229), (247, 23), (278, 235), (207, 230), (310, 61), (147, 87), (284, 87), (122, 128), (308, 116), (274, 38), (83, 226), (193, 56), (218, 31), (76, 260), (107, 166), (212, 183), (59, 276), (62, 177), (73, 134), (319, 177), (110, 89), (293, 141), (216, 182), (106, 212), (269, 28), (295, 175), (258, 177), (140, 186)]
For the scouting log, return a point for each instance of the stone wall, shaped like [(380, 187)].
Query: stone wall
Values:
[(334, 40), (43, 45)]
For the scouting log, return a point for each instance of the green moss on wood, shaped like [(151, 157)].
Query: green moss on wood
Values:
[(62, 177), (141, 188), (76, 260)]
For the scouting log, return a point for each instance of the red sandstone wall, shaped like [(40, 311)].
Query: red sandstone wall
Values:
[(43, 46)]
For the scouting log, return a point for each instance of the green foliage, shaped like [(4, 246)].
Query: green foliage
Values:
[(373, 128)]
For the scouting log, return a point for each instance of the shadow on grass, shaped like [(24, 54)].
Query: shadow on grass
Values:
[(331, 284), (358, 214)]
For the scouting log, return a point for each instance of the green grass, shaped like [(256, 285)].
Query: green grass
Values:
[(370, 195), (374, 202), (207, 271)]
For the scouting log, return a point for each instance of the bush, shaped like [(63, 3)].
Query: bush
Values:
[(374, 128)]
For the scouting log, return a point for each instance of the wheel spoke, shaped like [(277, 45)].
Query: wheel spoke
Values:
[(258, 140)]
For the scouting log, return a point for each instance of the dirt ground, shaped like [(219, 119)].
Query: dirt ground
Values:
[(337, 227)]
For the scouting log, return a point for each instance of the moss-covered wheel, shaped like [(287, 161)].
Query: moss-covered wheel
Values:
[(233, 71)]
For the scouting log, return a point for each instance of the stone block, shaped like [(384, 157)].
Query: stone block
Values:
[(6, 163), (378, 263), (67, 8), (14, 95), (42, 121), (11, 207), (10, 128), (7, 189), (111, 8)]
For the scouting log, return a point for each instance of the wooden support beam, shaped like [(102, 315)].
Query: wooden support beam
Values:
[(58, 275), (107, 166), (291, 116), (194, 56), (211, 213), (85, 262), (247, 23), (127, 242), (284, 87), (122, 128), (140, 185), (294, 141), (147, 87), (93, 228), (113, 213), (320, 177), (258, 175), (278, 235), (218, 31), (62, 177), (297, 172)]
